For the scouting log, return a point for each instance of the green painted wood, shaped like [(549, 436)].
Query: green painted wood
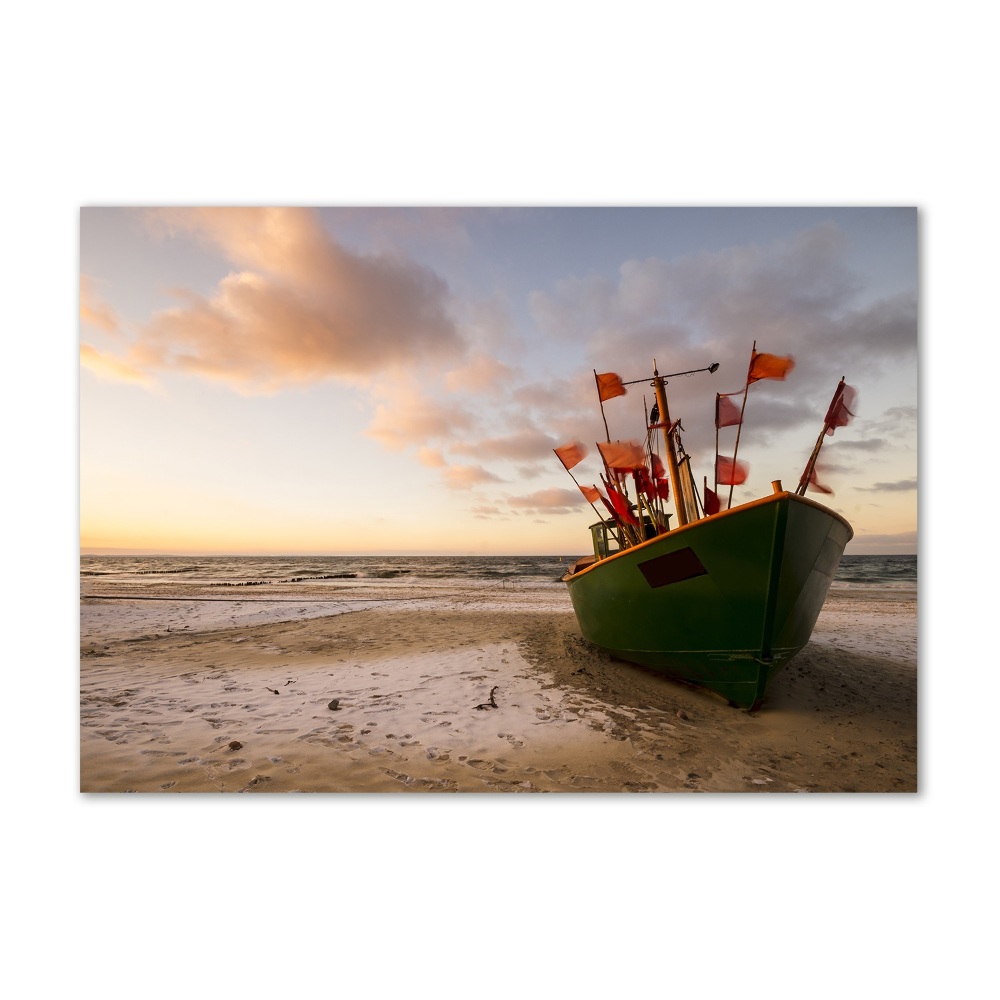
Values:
[(768, 566)]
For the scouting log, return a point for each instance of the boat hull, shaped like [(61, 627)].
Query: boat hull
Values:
[(724, 602)]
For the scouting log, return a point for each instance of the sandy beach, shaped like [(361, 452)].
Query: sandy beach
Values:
[(472, 692)]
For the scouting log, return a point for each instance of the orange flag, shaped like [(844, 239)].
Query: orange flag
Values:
[(623, 456), (571, 454), (730, 473), (610, 385), (769, 366), (592, 493)]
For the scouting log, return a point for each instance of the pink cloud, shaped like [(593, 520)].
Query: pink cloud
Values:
[(481, 374), (107, 367), (551, 501), (410, 415), (520, 446), (93, 310), (432, 458), (486, 512), (299, 309), (463, 477)]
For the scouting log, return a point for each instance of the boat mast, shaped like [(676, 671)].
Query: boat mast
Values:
[(675, 479)]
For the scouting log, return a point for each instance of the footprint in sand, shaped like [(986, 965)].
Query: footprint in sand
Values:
[(511, 739), (402, 778)]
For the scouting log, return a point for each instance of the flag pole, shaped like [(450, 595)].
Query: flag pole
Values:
[(600, 399), (657, 501), (739, 429), (811, 464), (571, 476), (716, 465), (675, 479), (624, 527), (625, 533)]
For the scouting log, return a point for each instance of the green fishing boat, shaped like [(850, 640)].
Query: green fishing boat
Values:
[(723, 599)]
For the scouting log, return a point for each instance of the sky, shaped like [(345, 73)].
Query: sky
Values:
[(436, 104), (394, 380)]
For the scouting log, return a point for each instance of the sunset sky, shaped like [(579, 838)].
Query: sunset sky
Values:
[(337, 380)]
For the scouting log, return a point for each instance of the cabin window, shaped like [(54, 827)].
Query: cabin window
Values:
[(605, 544)]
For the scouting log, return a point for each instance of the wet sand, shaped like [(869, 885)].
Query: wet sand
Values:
[(396, 696)]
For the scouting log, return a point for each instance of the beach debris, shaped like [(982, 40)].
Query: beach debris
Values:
[(681, 714), (235, 745), (292, 681), (274, 691), (491, 703), (334, 705)]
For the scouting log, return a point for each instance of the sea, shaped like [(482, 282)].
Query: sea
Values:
[(153, 595), (318, 574)]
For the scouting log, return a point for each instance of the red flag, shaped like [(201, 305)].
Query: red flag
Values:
[(842, 407), (727, 414), (571, 454), (644, 482), (658, 471), (711, 501), (816, 484), (623, 456), (592, 493), (610, 385), (730, 473), (769, 366), (663, 489), (621, 506)]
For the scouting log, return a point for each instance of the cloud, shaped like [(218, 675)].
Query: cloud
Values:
[(519, 446), (482, 374), (900, 486), (298, 309), (110, 368), (902, 543), (551, 501), (413, 413), (93, 310), (486, 513), (432, 458), (862, 444), (895, 421), (795, 296), (463, 477)]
